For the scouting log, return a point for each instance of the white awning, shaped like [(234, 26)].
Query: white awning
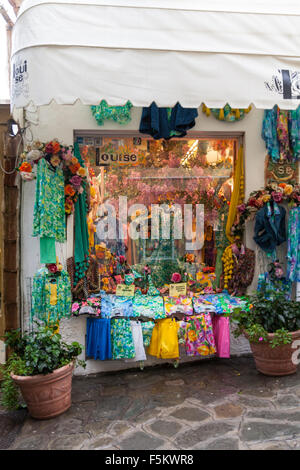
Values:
[(192, 51)]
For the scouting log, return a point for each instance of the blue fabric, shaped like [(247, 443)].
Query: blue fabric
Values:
[(162, 124), (98, 340), (270, 230), (112, 305), (268, 287)]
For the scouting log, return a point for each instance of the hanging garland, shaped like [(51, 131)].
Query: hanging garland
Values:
[(227, 259), (57, 155), (278, 193), (227, 113)]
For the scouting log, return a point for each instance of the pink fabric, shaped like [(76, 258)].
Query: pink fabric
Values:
[(222, 335)]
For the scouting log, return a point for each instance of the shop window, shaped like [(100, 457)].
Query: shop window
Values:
[(166, 179)]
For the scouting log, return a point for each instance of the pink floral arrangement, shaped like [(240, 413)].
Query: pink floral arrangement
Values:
[(176, 277)]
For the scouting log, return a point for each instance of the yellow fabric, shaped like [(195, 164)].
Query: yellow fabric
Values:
[(53, 294), (56, 331), (237, 194), (164, 340)]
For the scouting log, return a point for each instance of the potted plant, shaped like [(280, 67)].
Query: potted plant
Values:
[(40, 366), (271, 326)]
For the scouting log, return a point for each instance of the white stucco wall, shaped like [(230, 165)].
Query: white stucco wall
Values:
[(55, 121)]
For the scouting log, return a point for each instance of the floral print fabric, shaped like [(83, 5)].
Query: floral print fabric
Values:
[(112, 305), (122, 339), (147, 329), (218, 303), (49, 208), (51, 296), (119, 114), (293, 255), (197, 335), (281, 133), (182, 304), (151, 306)]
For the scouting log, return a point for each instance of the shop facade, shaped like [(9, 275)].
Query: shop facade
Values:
[(235, 141)]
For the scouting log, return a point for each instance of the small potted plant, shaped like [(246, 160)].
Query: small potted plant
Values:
[(40, 366), (272, 326)]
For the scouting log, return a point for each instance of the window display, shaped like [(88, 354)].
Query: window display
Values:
[(157, 182)]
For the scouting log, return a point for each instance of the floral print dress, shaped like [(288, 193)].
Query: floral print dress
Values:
[(51, 296), (293, 255), (49, 208)]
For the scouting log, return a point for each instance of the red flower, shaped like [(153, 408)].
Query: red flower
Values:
[(52, 268), (49, 148), (176, 277)]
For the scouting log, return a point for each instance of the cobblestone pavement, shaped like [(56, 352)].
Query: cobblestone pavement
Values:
[(210, 404)]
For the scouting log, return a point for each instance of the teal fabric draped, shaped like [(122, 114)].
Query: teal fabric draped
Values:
[(81, 246)]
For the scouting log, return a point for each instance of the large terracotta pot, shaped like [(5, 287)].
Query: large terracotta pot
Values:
[(274, 361), (47, 395)]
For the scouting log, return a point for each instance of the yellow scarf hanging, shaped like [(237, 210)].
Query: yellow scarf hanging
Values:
[(237, 196)]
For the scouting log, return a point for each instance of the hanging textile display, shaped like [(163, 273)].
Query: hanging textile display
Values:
[(269, 230), (237, 195), (281, 133), (197, 335), (151, 306), (98, 341), (137, 335), (81, 243), (51, 295), (239, 264), (89, 284), (112, 305), (164, 341), (273, 281), (119, 114), (182, 304), (49, 221), (122, 339), (227, 113), (293, 252), (165, 123), (221, 331), (147, 329)]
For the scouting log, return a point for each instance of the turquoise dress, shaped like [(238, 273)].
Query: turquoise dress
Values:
[(42, 305), (49, 209), (293, 254)]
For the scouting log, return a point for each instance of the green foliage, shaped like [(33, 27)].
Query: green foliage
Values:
[(39, 352), (10, 394), (273, 315)]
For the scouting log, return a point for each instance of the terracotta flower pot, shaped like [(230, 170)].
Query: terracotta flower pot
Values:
[(274, 361), (47, 395)]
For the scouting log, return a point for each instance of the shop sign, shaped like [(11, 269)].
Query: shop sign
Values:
[(107, 158), (175, 290), (124, 290), (281, 172)]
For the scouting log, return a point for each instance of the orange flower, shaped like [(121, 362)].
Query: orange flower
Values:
[(69, 190), (56, 147), (26, 167), (81, 171), (74, 160), (74, 168), (282, 185)]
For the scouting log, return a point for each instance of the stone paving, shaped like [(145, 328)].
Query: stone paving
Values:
[(210, 404)]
